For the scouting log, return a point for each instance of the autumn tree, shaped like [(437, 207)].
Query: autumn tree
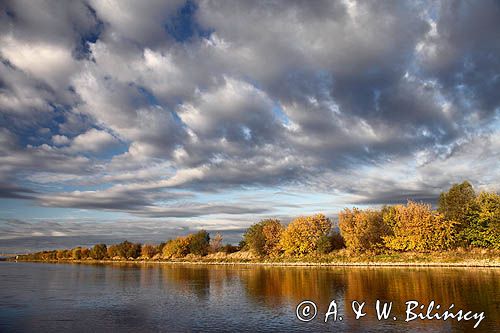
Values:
[(76, 253), (263, 237), (362, 229), (85, 254), (98, 251), (303, 234), (418, 228), (389, 216), (176, 248), (112, 251), (149, 251), (272, 230)]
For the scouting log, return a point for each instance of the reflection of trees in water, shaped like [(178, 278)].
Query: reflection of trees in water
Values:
[(468, 288), (472, 289), (275, 286), (464, 287), (201, 281)]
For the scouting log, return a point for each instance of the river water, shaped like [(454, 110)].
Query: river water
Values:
[(39, 297)]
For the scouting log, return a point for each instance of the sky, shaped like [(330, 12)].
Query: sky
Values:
[(145, 120)]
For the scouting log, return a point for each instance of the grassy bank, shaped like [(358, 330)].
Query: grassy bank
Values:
[(466, 258)]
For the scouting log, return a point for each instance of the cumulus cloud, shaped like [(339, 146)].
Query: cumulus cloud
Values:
[(93, 140), (177, 109)]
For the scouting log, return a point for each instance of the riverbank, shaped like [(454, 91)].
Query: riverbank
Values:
[(475, 258)]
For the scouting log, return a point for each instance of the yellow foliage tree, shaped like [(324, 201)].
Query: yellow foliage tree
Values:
[(302, 234), (148, 251), (176, 248), (418, 228), (362, 229)]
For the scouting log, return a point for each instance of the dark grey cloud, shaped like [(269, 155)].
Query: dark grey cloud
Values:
[(9, 191), (201, 210), (462, 54), (25, 236), (142, 203)]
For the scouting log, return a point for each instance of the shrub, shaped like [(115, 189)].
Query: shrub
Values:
[(362, 229), (418, 228), (263, 237), (303, 234), (228, 248)]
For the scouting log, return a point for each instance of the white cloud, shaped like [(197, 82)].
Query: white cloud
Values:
[(60, 140), (370, 100), (93, 141)]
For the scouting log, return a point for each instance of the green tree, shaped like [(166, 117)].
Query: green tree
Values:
[(324, 245), (242, 245), (263, 238), (99, 251), (254, 238), (199, 243), (482, 227), (455, 203), (127, 250)]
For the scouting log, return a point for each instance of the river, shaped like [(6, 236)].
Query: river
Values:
[(40, 297)]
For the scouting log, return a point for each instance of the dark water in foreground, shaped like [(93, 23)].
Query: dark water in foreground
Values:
[(181, 298)]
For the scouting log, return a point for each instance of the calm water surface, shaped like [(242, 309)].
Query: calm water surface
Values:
[(36, 297)]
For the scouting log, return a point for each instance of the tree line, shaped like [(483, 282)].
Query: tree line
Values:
[(463, 218), (198, 244)]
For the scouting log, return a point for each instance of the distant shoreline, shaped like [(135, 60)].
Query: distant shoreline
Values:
[(485, 264)]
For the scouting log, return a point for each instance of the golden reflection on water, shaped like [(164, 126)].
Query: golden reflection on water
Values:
[(475, 289)]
